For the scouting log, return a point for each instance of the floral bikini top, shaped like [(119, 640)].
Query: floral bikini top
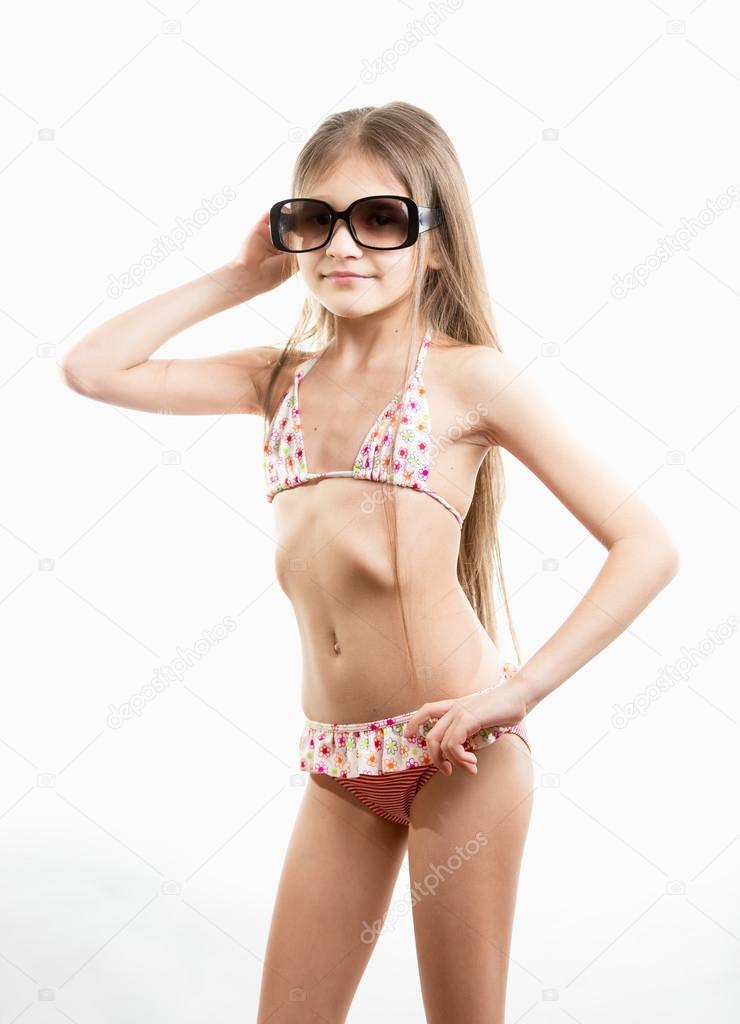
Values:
[(284, 458)]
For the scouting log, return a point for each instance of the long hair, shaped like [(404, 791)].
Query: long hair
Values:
[(413, 146)]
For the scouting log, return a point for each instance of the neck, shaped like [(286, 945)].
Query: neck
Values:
[(374, 342)]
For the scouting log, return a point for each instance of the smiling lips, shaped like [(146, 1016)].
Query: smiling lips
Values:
[(344, 275)]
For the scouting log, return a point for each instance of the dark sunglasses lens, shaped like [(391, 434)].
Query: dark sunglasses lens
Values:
[(303, 224), (383, 223)]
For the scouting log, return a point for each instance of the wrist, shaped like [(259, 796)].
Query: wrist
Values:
[(240, 280), (530, 694)]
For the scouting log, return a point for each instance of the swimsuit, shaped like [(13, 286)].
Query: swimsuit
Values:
[(284, 453), (383, 769)]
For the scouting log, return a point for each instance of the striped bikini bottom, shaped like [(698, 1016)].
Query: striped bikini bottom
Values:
[(382, 768)]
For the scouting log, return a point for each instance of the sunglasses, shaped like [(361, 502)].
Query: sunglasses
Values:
[(375, 222)]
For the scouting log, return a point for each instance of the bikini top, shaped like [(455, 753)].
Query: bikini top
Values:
[(284, 458)]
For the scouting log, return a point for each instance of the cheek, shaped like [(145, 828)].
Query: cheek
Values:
[(308, 264), (397, 271)]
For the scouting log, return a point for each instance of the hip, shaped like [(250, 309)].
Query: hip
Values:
[(349, 749)]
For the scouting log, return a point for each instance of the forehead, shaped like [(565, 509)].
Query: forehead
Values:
[(352, 178)]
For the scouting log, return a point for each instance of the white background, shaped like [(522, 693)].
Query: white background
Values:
[(138, 865)]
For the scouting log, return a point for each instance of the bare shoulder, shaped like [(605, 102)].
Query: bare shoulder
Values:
[(474, 372), (466, 354), (518, 414), (258, 364), (463, 354), (514, 411), (263, 366)]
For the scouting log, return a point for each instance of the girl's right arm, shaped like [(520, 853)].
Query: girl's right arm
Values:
[(112, 363)]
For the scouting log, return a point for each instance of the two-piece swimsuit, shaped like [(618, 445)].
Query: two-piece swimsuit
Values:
[(382, 768)]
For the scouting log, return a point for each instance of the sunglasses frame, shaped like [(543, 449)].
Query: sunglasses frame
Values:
[(421, 218)]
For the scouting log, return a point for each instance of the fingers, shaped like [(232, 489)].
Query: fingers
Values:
[(445, 752), (416, 721), (427, 712), (460, 757), (447, 755), (471, 767)]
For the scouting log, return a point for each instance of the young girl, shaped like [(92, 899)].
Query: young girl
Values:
[(382, 449)]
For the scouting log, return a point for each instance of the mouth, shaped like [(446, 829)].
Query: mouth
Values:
[(341, 275)]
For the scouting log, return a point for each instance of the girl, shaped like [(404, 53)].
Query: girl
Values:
[(382, 447)]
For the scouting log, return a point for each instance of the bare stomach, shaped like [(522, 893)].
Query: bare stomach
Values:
[(336, 569)]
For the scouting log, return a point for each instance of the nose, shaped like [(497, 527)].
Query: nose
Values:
[(341, 242)]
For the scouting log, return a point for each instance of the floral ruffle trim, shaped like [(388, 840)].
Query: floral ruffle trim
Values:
[(377, 748)]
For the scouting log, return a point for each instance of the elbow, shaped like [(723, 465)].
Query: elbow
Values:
[(77, 376), (656, 554), (669, 560), (675, 563)]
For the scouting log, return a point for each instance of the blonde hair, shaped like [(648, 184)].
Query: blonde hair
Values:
[(454, 301)]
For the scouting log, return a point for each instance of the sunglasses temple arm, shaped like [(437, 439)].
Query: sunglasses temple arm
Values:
[(429, 217)]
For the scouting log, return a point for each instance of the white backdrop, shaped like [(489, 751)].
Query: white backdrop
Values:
[(139, 857)]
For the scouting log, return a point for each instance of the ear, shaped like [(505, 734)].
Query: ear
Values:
[(431, 251)]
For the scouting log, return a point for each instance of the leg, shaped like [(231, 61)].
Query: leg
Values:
[(337, 881), (466, 840)]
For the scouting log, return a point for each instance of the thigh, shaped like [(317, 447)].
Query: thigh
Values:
[(466, 840), (337, 881)]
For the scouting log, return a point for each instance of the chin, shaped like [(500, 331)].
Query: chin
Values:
[(348, 312), (349, 305)]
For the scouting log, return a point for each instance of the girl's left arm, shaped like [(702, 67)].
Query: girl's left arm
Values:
[(642, 557)]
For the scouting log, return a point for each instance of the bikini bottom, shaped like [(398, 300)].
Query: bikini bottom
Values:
[(378, 765)]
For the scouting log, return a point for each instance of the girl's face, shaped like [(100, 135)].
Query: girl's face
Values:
[(387, 277)]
